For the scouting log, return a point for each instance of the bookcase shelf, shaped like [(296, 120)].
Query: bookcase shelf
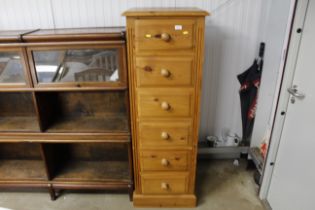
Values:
[(21, 161), (92, 111), (17, 112), (18, 123), (22, 169), (86, 171), (88, 162)]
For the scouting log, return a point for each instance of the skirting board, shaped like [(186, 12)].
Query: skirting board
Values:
[(170, 201), (221, 152)]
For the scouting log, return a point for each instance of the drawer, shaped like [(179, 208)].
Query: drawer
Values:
[(163, 134), (168, 71), (164, 34), (164, 160), (164, 183), (165, 102)]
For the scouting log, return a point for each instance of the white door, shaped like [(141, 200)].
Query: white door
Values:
[(292, 184)]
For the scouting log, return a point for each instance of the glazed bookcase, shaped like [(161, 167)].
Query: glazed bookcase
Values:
[(64, 110)]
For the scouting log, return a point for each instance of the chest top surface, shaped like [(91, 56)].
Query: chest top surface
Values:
[(168, 11)]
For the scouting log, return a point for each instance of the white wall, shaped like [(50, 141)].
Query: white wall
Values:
[(231, 41)]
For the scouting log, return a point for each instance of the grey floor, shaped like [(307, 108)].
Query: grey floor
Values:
[(220, 186)]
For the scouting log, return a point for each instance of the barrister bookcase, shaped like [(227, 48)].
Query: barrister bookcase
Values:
[(165, 56), (64, 110)]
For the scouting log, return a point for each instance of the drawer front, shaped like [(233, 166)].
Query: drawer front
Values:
[(163, 134), (168, 71), (164, 160), (166, 183), (164, 34), (165, 103)]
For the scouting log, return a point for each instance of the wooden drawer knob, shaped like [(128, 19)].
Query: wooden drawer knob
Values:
[(165, 105), (165, 135), (165, 37), (165, 73), (164, 186), (164, 162)]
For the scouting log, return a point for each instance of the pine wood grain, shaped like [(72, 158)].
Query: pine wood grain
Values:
[(165, 104)]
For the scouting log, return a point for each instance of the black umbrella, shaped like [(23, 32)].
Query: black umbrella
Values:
[(250, 81)]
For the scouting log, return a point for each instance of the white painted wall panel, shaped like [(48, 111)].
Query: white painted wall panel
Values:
[(97, 13), (25, 14), (231, 41), (231, 46)]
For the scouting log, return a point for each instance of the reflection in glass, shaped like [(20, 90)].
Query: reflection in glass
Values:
[(11, 68), (82, 65)]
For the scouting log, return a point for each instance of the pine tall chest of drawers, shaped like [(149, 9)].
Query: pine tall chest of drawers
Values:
[(165, 55)]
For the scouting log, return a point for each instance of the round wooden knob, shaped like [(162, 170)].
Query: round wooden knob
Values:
[(165, 135), (165, 105), (164, 186), (165, 37), (164, 162), (165, 73)]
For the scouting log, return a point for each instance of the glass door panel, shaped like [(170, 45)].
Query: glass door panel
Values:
[(11, 68), (82, 65)]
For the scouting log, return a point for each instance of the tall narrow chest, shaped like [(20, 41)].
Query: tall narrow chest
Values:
[(165, 56)]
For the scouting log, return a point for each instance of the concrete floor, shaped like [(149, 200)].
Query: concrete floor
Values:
[(220, 186)]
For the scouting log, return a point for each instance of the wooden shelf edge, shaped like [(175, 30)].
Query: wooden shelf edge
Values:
[(23, 183), (186, 200), (56, 43), (65, 137), (91, 185), (64, 141), (15, 89), (64, 89), (124, 184), (62, 134)]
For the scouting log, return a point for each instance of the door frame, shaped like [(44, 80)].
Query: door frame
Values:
[(297, 19)]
